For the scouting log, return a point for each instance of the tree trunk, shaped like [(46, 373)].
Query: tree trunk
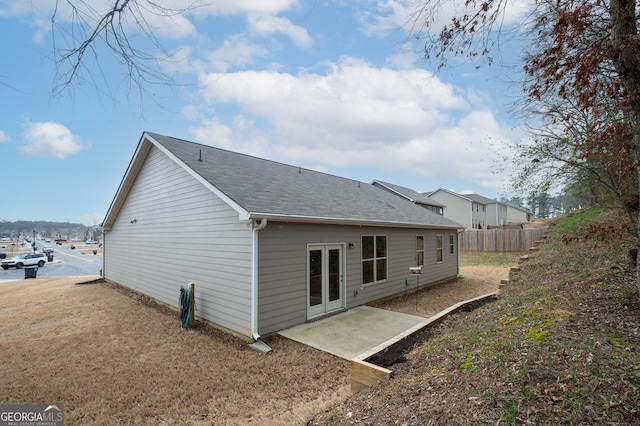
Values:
[(626, 48)]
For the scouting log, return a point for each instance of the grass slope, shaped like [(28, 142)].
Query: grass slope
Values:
[(560, 346)]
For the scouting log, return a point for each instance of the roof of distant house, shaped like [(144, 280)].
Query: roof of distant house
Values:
[(408, 193), (480, 199)]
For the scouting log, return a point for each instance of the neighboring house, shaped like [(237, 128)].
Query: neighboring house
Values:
[(414, 196), (460, 208), (496, 211), (517, 214), (267, 245)]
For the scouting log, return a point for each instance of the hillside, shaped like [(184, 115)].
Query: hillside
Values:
[(559, 346)]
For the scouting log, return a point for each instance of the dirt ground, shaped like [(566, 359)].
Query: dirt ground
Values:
[(111, 357)]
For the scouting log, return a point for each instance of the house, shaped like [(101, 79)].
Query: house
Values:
[(414, 196), (471, 214), (268, 245), (517, 214), (496, 211)]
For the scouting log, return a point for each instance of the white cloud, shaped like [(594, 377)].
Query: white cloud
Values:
[(236, 51), (390, 16), (409, 15), (232, 7), (170, 26), (266, 25), (3, 137), (355, 115), (406, 58), (50, 139)]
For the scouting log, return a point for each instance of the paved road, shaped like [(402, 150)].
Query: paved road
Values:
[(66, 263)]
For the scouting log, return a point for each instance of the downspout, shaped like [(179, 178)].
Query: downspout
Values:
[(256, 227), (459, 232)]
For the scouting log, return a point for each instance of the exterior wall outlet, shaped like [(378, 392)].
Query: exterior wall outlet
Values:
[(355, 292)]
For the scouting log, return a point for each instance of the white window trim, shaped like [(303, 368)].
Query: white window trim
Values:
[(375, 259), (420, 251), (440, 249)]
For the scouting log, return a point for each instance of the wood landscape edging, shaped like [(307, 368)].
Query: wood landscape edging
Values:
[(365, 374)]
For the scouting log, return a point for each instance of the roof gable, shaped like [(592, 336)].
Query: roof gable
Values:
[(446, 191)]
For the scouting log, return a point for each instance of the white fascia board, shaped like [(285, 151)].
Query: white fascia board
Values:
[(127, 181)]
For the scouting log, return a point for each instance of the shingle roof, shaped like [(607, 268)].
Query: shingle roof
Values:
[(480, 199), (410, 194), (266, 188)]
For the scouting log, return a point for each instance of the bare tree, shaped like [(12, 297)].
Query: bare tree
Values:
[(583, 52), (82, 33)]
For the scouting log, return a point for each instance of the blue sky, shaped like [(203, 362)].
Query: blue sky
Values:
[(329, 85)]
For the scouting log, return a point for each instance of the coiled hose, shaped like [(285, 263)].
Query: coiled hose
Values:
[(185, 307)]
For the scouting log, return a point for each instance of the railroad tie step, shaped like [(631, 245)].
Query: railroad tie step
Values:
[(503, 283)]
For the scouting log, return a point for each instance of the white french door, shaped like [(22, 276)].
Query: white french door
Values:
[(325, 284)]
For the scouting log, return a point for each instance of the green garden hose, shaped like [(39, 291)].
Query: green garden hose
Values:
[(186, 303)]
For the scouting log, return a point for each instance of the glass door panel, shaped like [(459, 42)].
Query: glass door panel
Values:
[(334, 274), (315, 277), (325, 281)]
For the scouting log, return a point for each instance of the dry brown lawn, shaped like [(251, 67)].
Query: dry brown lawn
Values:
[(112, 357)]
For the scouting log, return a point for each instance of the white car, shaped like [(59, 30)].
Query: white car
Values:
[(35, 259)]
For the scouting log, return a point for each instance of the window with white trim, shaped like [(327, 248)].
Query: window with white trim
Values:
[(451, 244), (439, 248), (374, 258), (420, 250)]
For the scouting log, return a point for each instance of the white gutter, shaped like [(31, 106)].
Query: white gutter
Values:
[(343, 221), (254, 275)]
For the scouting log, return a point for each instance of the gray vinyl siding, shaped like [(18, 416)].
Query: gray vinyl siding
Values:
[(515, 215), (182, 233), (282, 270), (457, 208)]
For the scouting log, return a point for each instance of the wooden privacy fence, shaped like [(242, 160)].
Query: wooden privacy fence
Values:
[(500, 239)]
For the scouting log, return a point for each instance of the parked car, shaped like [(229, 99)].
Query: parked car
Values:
[(91, 242), (3, 255), (22, 260)]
